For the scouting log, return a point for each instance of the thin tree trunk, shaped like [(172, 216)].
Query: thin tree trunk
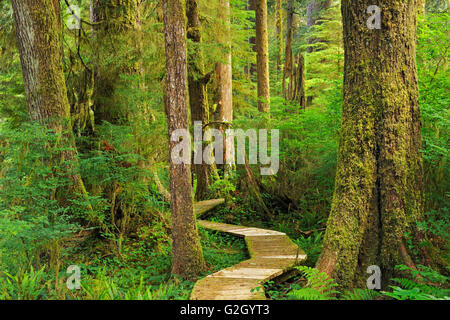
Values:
[(187, 257), (251, 68), (288, 60), (279, 25), (378, 194), (262, 56), (224, 79), (299, 82), (38, 38)]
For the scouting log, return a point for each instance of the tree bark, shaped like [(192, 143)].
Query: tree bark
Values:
[(198, 93), (378, 195), (288, 60), (279, 25), (38, 38), (299, 82), (187, 257), (224, 79), (251, 68), (289, 64), (262, 56)]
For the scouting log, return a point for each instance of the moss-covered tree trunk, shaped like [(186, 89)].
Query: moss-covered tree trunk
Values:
[(38, 38), (198, 93), (378, 193), (262, 56), (187, 257)]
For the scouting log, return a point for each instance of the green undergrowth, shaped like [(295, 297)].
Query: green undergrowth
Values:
[(138, 273), (310, 284)]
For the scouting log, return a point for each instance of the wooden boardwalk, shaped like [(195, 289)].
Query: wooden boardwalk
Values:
[(272, 254)]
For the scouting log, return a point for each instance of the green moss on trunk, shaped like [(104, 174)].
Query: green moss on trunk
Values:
[(378, 193), (187, 257), (38, 37)]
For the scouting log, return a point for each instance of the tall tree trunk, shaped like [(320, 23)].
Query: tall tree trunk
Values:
[(299, 82), (378, 195), (187, 257), (251, 68), (279, 25), (288, 59), (198, 94), (38, 38), (262, 56), (224, 79)]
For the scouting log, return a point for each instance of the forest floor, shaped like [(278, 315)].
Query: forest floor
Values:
[(139, 271)]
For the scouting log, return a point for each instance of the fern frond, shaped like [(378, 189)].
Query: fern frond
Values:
[(319, 286), (361, 294)]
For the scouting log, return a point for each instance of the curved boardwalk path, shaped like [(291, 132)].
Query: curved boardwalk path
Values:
[(272, 254)]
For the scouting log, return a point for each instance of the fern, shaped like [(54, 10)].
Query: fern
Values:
[(427, 285), (361, 294), (319, 286)]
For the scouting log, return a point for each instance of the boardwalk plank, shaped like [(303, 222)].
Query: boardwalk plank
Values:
[(272, 254)]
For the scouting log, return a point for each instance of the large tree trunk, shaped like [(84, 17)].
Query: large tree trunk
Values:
[(378, 193), (187, 257), (198, 94), (262, 56), (38, 38), (224, 79)]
